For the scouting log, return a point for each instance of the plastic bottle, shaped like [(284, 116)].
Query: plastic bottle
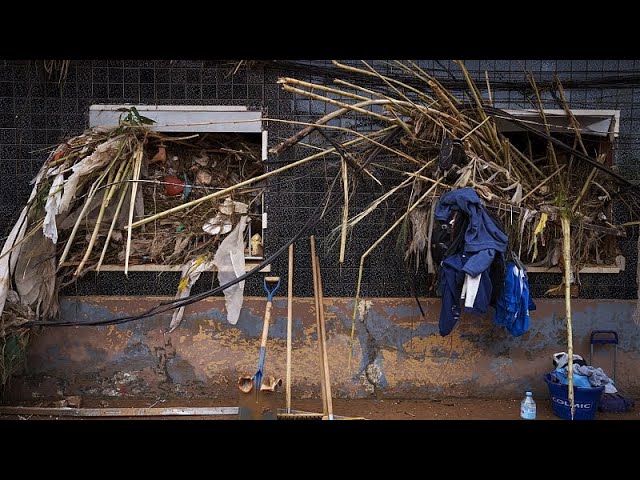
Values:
[(528, 407)]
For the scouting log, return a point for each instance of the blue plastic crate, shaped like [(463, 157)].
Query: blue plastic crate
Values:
[(585, 399)]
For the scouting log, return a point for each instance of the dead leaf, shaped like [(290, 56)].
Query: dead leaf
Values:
[(161, 156), (203, 177), (181, 243), (202, 160), (229, 207)]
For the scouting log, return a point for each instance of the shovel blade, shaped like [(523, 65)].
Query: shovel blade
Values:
[(261, 406)]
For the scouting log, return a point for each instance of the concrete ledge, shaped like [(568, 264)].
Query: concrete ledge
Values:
[(397, 354)]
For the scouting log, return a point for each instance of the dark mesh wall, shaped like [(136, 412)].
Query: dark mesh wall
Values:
[(36, 114)]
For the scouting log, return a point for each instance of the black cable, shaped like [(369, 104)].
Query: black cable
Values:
[(177, 303), (330, 72)]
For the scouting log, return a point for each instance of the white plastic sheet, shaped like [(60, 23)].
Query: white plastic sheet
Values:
[(191, 272), (229, 260), (52, 207)]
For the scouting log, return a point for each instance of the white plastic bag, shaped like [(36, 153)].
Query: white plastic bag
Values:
[(229, 260)]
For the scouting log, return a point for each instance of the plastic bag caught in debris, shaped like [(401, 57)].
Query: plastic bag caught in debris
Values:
[(12, 246), (102, 155), (229, 260), (52, 206), (220, 224), (229, 207), (191, 272)]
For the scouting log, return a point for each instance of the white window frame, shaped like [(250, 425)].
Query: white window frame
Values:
[(189, 119), (601, 123)]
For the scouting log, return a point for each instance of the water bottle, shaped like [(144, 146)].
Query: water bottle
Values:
[(528, 407)]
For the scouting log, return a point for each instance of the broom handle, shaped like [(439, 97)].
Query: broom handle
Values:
[(323, 340), (289, 326), (317, 304)]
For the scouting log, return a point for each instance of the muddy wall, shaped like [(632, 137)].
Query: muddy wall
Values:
[(396, 354)]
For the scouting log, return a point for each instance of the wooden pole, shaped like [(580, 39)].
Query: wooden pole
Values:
[(323, 340), (289, 326), (317, 304)]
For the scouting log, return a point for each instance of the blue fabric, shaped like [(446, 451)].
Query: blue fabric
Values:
[(479, 262), (451, 279), (562, 374), (482, 233), (514, 303)]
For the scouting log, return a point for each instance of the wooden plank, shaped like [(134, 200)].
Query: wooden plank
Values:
[(120, 412), (585, 269), (161, 268)]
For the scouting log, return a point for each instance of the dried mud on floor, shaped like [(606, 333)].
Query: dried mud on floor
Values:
[(390, 409)]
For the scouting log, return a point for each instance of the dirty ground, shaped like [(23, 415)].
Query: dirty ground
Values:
[(445, 409)]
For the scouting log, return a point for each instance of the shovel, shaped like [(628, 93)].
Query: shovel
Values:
[(257, 378)]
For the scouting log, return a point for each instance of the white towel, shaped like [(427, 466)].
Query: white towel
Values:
[(470, 289)]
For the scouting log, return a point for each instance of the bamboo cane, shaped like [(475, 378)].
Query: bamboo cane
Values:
[(116, 214), (316, 297), (113, 181), (566, 252), (392, 80), (373, 93), (345, 211), (85, 207), (306, 131), (137, 166), (289, 327), (323, 339), (293, 81), (337, 103), (96, 229)]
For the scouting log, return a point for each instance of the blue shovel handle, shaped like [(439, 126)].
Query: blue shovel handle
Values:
[(272, 292)]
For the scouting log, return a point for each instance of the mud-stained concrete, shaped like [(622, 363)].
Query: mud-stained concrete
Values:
[(396, 353)]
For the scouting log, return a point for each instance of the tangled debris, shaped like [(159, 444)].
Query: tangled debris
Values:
[(133, 196), (436, 140), (95, 185)]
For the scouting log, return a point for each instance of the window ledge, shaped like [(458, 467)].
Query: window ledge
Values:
[(618, 267), (162, 268)]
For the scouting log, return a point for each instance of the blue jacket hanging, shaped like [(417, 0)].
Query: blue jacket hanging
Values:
[(482, 237), (514, 303), (451, 279)]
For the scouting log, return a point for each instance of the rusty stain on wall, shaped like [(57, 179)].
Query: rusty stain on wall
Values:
[(397, 353)]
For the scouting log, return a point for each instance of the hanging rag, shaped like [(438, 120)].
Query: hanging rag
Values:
[(191, 272), (514, 303), (483, 237), (452, 277), (466, 270)]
